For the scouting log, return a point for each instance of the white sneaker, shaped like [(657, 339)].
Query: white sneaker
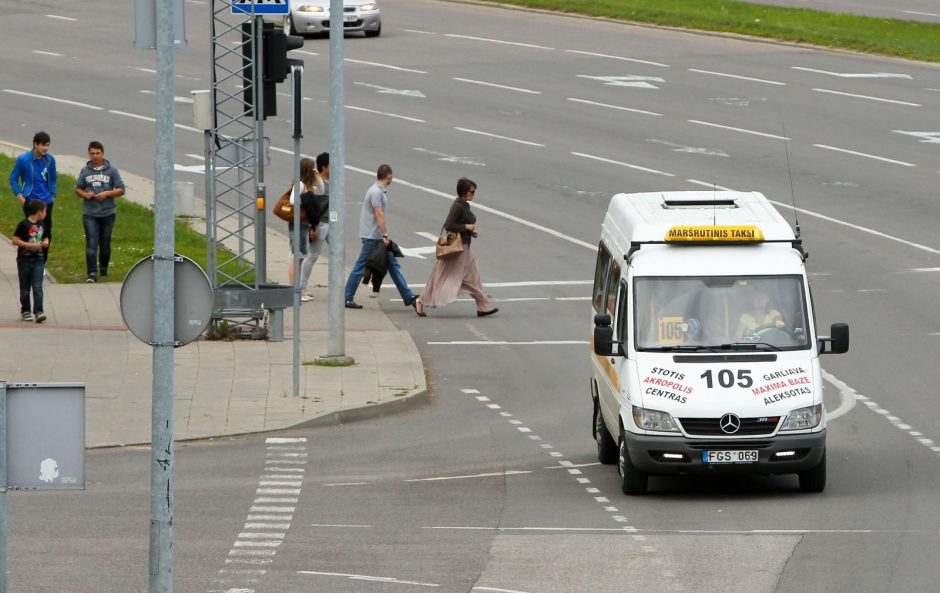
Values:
[(27, 316), (373, 295), (306, 297)]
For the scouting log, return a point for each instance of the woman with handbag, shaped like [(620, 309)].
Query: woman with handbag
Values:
[(310, 204), (455, 270)]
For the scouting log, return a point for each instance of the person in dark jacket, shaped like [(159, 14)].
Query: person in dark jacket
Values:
[(457, 274), (98, 184)]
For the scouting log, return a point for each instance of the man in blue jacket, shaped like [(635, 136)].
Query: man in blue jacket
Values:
[(34, 178)]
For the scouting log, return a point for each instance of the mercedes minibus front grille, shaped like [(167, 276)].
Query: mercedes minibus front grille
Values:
[(712, 426)]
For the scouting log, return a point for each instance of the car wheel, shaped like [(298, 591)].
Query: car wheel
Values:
[(814, 480), (375, 33), (289, 26), (606, 447), (632, 480)]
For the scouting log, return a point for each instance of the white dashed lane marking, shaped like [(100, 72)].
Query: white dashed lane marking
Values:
[(557, 456)]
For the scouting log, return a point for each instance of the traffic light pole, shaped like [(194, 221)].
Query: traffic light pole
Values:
[(297, 77)]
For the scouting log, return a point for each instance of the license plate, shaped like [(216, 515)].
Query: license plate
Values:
[(349, 18), (729, 456)]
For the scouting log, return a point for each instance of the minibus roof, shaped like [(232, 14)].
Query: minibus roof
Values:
[(649, 217)]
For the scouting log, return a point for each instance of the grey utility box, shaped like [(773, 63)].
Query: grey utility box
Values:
[(45, 436)]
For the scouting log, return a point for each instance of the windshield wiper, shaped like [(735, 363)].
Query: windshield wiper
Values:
[(685, 348), (749, 346)]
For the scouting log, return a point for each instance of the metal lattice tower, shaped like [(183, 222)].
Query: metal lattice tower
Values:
[(235, 213)]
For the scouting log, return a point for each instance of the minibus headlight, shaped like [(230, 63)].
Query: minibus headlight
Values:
[(803, 418), (654, 420)]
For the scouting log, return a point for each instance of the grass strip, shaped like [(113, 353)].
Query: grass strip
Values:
[(132, 239), (889, 37)]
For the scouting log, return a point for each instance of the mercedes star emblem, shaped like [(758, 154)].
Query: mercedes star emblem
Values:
[(729, 424)]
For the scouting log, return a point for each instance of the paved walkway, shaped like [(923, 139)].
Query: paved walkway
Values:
[(220, 388)]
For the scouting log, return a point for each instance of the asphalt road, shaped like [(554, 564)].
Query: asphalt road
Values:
[(551, 116)]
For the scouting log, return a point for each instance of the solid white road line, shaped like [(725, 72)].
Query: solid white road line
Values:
[(914, 12), (870, 98), (862, 154), (64, 18), (844, 223), (498, 528), (596, 55), (622, 164), (739, 77), (498, 86), (618, 107), (35, 96), (504, 343), (490, 475), (346, 484), (848, 395), (365, 577), (708, 185), (398, 68), (498, 137), (742, 130), (47, 53), (499, 41), (304, 52), (132, 115), (395, 115)]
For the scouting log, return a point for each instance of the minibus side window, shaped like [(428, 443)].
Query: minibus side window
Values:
[(623, 309), (612, 282), (600, 277)]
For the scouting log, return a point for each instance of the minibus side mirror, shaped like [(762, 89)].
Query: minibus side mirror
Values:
[(603, 335), (838, 341)]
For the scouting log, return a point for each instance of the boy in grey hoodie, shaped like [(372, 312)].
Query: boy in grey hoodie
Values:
[(98, 184)]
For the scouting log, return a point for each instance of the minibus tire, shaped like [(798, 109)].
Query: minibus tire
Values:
[(632, 480), (606, 446), (814, 480)]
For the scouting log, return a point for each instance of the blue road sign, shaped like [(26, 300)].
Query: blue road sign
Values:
[(261, 7)]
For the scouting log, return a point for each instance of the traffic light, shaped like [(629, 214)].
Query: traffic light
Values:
[(275, 65)]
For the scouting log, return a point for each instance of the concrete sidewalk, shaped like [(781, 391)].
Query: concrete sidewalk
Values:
[(220, 388)]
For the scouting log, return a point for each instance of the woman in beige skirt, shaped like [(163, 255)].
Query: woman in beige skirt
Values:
[(458, 274)]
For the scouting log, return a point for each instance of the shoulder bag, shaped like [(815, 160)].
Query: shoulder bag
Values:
[(285, 210), (448, 245)]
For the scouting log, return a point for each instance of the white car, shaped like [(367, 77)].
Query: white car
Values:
[(309, 17)]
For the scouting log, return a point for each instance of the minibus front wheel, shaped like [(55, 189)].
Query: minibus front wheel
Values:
[(632, 480)]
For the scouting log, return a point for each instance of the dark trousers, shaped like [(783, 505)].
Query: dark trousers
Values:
[(98, 243), (46, 226), (30, 272)]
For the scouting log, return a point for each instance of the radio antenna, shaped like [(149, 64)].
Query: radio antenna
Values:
[(714, 207), (796, 215)]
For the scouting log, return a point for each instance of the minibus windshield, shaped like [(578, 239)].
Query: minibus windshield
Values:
[(720, 312)]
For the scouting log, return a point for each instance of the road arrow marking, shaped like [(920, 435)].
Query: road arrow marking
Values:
[(928, 137), (390, 91), (640, 82)]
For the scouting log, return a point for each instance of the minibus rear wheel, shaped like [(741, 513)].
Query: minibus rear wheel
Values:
[(606, 446)]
